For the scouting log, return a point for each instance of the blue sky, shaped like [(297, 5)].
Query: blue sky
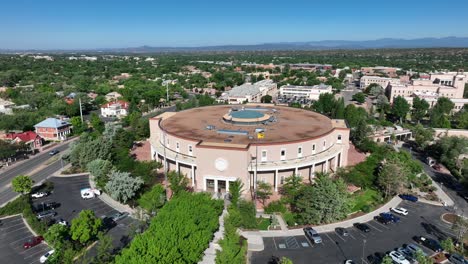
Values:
[(68, 24)]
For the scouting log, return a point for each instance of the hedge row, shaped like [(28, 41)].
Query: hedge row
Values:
[(180, 232), (23, 205)]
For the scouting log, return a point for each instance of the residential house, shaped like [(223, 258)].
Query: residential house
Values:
[(117, 109), (30, 138), (53, 129)]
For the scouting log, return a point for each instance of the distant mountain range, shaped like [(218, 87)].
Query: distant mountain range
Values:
[(447, 42)]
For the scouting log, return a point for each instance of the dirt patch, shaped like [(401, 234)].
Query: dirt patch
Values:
[(450, 218)]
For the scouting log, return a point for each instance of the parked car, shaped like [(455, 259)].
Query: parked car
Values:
[(430, 243), (399, 210), (409, 197), (457, 259), (363, 227), (374, 259), (398, 258), (312, 235), (54, 152), (116, 217), (393, 218), (341, 231), (46, 214), (349, 261), (39, 195), (44, 257), (408, 254), (34, 241), (62, 222), (382, 219), (413, 248)]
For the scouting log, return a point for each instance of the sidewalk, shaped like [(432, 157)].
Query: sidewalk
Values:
[(209, 255), (255, 241)]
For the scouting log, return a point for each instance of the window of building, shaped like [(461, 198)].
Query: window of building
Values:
[(177, 147), (299, 152), (264, 155), (313, 149), (339, 138), (324, 144), (190, 149), (283, 154), (282, 180)]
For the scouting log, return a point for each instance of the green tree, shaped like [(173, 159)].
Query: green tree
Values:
[(392, 177), (22, 184), (325, 104), (154, 199), (462, 119), (78, 126), (387, 260), (444, 105), (85, 227), (56, 236), (376, 90), (421, 258), (266, 99), (263, 191), (122, 187), (400, 108), (291, 189), (324, 202), (420, 107), (447, 245), (360, 132), (235, 189), (359, 97), (339, 111), (285, 260), (100, 170), (104, 249), (353, 115), (178, 182), (422, 136), (97, 123)]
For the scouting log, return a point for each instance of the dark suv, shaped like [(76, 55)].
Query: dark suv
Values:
[(382, 219), (363, 227), (430, 243)]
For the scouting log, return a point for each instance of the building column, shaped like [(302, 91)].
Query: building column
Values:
[(335, 165), (227, 186), (193, 177), (216, 186), (313, 172), (177, 166), (296, 171), (326, 166), (276, 180), (204, 185)]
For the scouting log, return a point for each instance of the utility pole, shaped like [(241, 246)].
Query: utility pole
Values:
[(167, 93), (81, 110)]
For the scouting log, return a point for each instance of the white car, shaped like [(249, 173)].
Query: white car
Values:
[(44, 257), (62, 222), (399, 210), (398, 258), (39, 195)]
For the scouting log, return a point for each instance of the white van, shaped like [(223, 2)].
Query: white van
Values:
[(88, 193)]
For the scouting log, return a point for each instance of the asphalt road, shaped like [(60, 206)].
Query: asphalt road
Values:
[(423, 219), (13, 234), (7, 193), (449, 184)]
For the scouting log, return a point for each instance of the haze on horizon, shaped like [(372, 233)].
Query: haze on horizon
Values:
[(86, 24)]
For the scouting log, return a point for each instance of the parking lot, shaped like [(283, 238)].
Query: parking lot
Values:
[(423, 219), (67, 195), (13, 234)]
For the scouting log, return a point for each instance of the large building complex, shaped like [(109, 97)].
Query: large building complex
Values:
[(216, 145), (389, 71), (448, 84), (310, 92), (382, 81), (249, 92)]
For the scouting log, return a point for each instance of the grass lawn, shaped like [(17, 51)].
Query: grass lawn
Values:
[(263, 223), (365, 199)]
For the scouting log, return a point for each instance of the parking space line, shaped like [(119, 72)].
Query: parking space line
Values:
[(274, 242), (16, 230), (364, 261), (339, 236), (369, 223), (35, 254), (384, 226), (25, 239)]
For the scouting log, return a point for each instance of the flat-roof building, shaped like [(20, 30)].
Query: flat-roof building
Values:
[(248, 92), (310, 92), (216, 145)]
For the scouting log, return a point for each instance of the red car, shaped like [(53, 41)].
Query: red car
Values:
[(34, 241)]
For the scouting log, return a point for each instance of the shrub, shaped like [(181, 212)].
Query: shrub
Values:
[(289, 218), (275, 207), (16, 206), (234, 247), (366, 208), (247, 213), (153, 199)]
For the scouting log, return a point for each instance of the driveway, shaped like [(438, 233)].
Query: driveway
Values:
[(423, 219), (13, 234)]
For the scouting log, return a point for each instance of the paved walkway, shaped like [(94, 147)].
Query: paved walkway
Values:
[(255, 241)]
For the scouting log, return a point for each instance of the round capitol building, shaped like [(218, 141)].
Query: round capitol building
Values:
[(216, 145)]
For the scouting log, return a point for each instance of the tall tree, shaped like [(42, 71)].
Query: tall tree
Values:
[(235, 189), (122, 187), (339, 111), (263, 191), (178, 182), (97, 123), (85, 227), (22, 184), (56, 236), (324, 202), (420, 107), (154, 199), (359, 97), (400, 108), (422, 136), (325, 104), (392, 177), (291, 189)]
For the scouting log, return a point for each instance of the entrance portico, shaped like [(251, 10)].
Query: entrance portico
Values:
[(217, 184)]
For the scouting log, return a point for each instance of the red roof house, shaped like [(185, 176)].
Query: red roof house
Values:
[(29, 138)]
